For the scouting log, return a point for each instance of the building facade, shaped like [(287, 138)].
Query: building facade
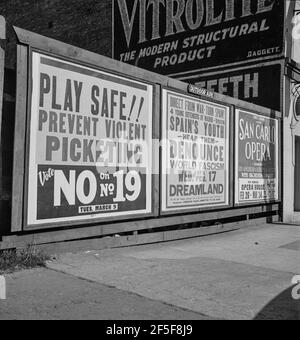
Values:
[(291, 132), (246, 49), (197, 48)]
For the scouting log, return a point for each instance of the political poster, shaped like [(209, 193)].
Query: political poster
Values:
[(177, 37), (195, 153), (257, 158), (90, 144)]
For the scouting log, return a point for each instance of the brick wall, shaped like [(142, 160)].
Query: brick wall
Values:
[(83, 23)]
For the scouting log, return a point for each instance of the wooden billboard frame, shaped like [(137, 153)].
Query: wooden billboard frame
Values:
[(36, 43), (27, 42)]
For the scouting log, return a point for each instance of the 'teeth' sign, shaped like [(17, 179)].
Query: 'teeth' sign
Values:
[(90, 144)]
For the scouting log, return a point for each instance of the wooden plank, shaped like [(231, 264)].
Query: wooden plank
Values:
[(86, 57), (280, 161), (126, 241), (156, 149), (231, 155), (111, 229), (19, 141), (81, 233), (134, 240), (112, 242), (83, 56)]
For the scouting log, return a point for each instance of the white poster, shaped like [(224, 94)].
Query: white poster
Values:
[(195, 153), (90, 151), (256, 167)]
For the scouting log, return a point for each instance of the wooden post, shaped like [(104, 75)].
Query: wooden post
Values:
[(20, 129), (2, 65)]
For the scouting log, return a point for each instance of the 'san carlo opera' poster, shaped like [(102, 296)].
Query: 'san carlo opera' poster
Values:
[(195, 153), (256, 158), (90, 144)]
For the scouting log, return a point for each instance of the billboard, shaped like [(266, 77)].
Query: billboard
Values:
[(176, 37), (195, 153), (257, 158), (251, 84), (90, 144)]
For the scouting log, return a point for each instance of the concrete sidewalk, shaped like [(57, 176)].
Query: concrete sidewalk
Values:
[(238, 275), (44, 294), (244, 274)]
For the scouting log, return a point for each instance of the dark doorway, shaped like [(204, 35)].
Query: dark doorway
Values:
[(297, 174)]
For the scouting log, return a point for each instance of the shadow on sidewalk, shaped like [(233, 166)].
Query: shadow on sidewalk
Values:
[(282, 307)]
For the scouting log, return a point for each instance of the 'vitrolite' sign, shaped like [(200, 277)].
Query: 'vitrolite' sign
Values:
[(257, 155), (90, 144), (195, 153), (175, 37)]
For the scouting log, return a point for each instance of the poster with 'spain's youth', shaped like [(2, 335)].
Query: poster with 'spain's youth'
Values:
[(195, 153)]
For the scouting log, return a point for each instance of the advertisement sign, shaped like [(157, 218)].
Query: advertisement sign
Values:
[(251, 84), (176, 37), (90, 144), (257, 161), (195, 153)]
